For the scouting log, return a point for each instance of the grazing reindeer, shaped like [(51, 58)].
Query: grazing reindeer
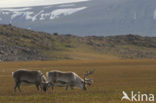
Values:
[(29, 77), (65, 79)]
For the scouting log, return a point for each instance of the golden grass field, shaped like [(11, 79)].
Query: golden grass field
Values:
[(111, 77)]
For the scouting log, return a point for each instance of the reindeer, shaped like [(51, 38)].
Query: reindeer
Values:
[(68, 79), (29, 77)]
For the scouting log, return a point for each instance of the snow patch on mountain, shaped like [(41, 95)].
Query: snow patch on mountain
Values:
[(15, 15), (28, 15), (42, 14), (154, 16), (38, 14), (16, 10), (4, 12), (56, 13)]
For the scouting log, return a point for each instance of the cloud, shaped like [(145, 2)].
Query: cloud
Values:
[(25, 3)]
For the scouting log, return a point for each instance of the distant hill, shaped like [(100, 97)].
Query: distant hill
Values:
[(93, 17), (22, 45)]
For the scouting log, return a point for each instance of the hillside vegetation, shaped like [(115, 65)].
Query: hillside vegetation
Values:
[(18, 44)]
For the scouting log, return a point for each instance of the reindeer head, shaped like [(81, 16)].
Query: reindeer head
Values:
[(87, 81), (44, 83), (44, 86)]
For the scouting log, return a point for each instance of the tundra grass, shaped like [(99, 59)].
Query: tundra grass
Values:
[(111, 77)]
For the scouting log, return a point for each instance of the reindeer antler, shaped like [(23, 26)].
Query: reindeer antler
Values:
[(88, 73)]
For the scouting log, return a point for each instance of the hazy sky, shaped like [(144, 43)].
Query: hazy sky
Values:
[(23, 3)]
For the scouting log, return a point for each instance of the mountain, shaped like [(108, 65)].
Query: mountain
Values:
[(93, 17), (22, 45)]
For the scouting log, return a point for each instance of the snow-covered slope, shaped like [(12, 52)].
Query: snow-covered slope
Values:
[(40, 15), (93, 17)]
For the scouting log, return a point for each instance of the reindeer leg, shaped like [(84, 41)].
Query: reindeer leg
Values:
[(16, 84), (19, 87), (37, 86), (52, 86), (66, 88), (40, 85), (71, 87)]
